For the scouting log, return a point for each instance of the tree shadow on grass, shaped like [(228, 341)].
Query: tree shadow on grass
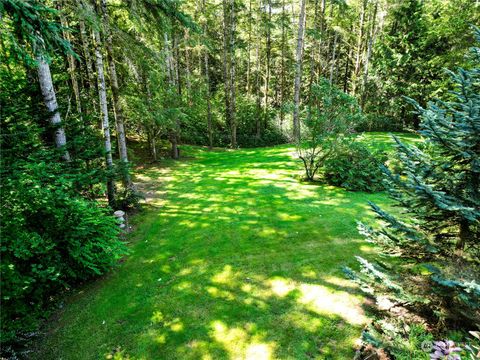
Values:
[(233, 260)]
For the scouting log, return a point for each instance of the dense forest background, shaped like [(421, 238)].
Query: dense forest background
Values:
[(83, 83)]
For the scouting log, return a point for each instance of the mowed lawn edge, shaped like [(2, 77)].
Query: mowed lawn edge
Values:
[(232, 258)]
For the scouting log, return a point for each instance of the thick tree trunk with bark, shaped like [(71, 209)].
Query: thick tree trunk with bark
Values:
[(118, 113), (102, 95), (50, 101), (298, 72)]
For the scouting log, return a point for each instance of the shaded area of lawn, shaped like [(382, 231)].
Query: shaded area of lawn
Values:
[(233, 258)]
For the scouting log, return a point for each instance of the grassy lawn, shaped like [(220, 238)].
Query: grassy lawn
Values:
[(233, 258)]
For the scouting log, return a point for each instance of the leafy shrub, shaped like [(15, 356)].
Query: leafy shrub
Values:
[(51, 240), (331, 116), (354, 167)]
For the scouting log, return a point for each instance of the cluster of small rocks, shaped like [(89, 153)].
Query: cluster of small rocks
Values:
[(120, 215)]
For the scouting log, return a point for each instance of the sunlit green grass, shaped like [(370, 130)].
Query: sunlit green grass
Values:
[(233, 258)]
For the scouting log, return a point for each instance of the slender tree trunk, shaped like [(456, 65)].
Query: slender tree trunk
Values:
[(169, 61), (282, 86), (176, 131), (207, 79), (232, 74), (50, 101), (226, 68), (320, 52), (371, 41), (268, 51), (332, 65), (187, 67), (89, 66), (347, 70), (102, 94), (209, 105), (72, 67), (258, 125), (312, 55), (465, 235), (298, 72), (249, 59), (118, 110), (359, 49), (149, 129), (174, 81)]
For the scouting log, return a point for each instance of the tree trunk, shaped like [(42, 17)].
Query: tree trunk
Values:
[(268, 51), (71, 66), (258, 125), (88, 63), (356, 70), (282, 86), (102, 95), (187, 67), (371, 41), (465, 235), (207, 79), (347, 70), (332, 65), (50, 101), (169, 61), (226, 68), (298, 72), (209, 105), (232, 75), (249, 59), (312, 55), (118, 113), (176, 129)]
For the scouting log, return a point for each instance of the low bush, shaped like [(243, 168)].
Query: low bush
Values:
[(52, 238), (331, 116), (354, 167)]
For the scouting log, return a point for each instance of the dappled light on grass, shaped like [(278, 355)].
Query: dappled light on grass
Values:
[(233, 258), (240, 344)]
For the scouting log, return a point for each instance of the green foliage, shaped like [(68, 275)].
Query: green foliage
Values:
[(403, 342), (248, 114), (437, 233), (355, 167), (331, 116), (51, 239), (54, 233), (29, 28)]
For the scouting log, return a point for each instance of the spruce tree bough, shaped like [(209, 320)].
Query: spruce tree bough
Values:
[(438, 230)]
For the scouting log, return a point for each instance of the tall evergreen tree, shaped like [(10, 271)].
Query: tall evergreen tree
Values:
[(438, 191)]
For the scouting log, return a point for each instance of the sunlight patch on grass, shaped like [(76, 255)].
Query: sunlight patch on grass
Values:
[(323, 301), (224, 277), (240, 344), (281, 287)]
